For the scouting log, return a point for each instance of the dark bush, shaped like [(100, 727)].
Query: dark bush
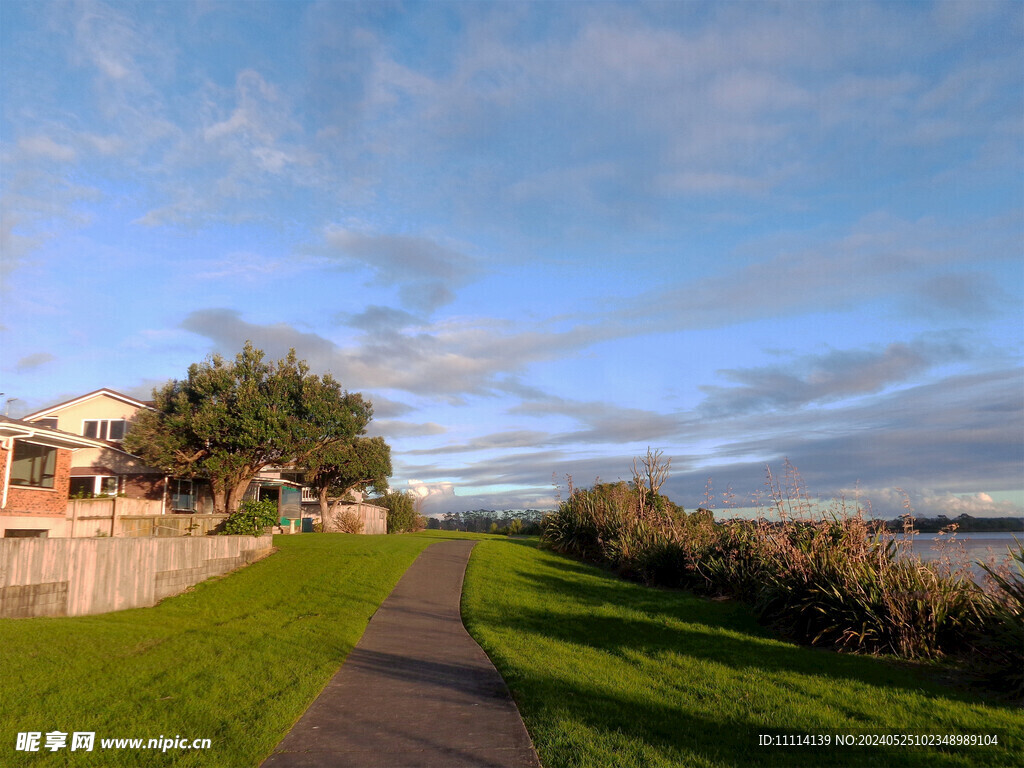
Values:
[(252, 518), (828, 579), (999, 643)]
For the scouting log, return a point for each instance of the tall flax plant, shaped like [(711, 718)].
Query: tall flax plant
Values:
[(732, 560), (576, 528), (836, 578), (613, 524), (827, 576), (999, 645)]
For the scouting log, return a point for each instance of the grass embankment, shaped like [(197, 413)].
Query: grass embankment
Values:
[(236, 659), (611, 673), (829, 577)]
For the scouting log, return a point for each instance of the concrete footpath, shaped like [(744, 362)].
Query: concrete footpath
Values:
[(416, 691)]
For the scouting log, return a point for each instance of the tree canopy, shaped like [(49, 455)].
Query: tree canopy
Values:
[(337, 469), (227, 420), (402, 514)]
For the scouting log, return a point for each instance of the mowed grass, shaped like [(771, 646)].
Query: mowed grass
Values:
[(236, 659), (611, 673)]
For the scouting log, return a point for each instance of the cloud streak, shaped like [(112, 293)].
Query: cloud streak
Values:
[(37, 360), (427, 273), (875, 260), (447, 360), (819, 379)]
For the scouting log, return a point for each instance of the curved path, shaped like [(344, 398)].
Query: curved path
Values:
[(416, 691)]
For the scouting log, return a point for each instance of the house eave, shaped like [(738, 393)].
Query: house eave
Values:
[(127, 399), (45, 436)]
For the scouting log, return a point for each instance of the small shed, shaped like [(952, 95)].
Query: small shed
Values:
[(285, 493)]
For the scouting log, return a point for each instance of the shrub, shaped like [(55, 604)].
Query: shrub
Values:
[(577, 527), (402, 515), (251, 518), (999, 646), (346, 520), (827, 578)]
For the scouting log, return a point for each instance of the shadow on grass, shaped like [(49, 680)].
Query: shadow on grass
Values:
[(671, 735), (742, 646), (580, 605)]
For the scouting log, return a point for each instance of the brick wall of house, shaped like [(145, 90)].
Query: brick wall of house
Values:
[(44, 502), (144, 487)]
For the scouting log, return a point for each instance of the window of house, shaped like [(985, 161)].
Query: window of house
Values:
[(90, 486), (104, 429), (183, 495), (81, 487), (33, 465)]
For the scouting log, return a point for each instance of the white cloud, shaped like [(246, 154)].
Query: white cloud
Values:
[(498, 440), (422, 490), (712, 182), (45, 147), (925, 502), (14, 245), (393, 428), (109, 40), (437, 498), (243, 265)]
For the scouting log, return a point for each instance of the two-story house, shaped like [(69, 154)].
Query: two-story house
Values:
[(103, 416), (35, 467), (103, 468)]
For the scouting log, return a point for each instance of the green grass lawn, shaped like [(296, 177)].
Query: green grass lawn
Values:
[(610, 673), (237, 659), (606, 673)]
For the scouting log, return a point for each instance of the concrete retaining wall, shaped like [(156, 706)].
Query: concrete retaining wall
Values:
[(73, 577)]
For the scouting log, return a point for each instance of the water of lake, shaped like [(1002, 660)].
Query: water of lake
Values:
[(976, 546)]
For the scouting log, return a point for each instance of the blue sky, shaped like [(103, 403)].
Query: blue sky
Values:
[(542, 237)]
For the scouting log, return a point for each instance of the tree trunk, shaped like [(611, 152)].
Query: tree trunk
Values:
[(220, 497), (321, 496), (237, 490), (330, 515)]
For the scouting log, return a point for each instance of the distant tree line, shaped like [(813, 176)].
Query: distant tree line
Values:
[(964, 523), (526, 522)]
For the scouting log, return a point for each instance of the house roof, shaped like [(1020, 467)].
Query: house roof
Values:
[(97, 393), (19, 429)]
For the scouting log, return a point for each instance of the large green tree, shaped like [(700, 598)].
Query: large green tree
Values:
[(402, 514), (364, 462), (227, 420)]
